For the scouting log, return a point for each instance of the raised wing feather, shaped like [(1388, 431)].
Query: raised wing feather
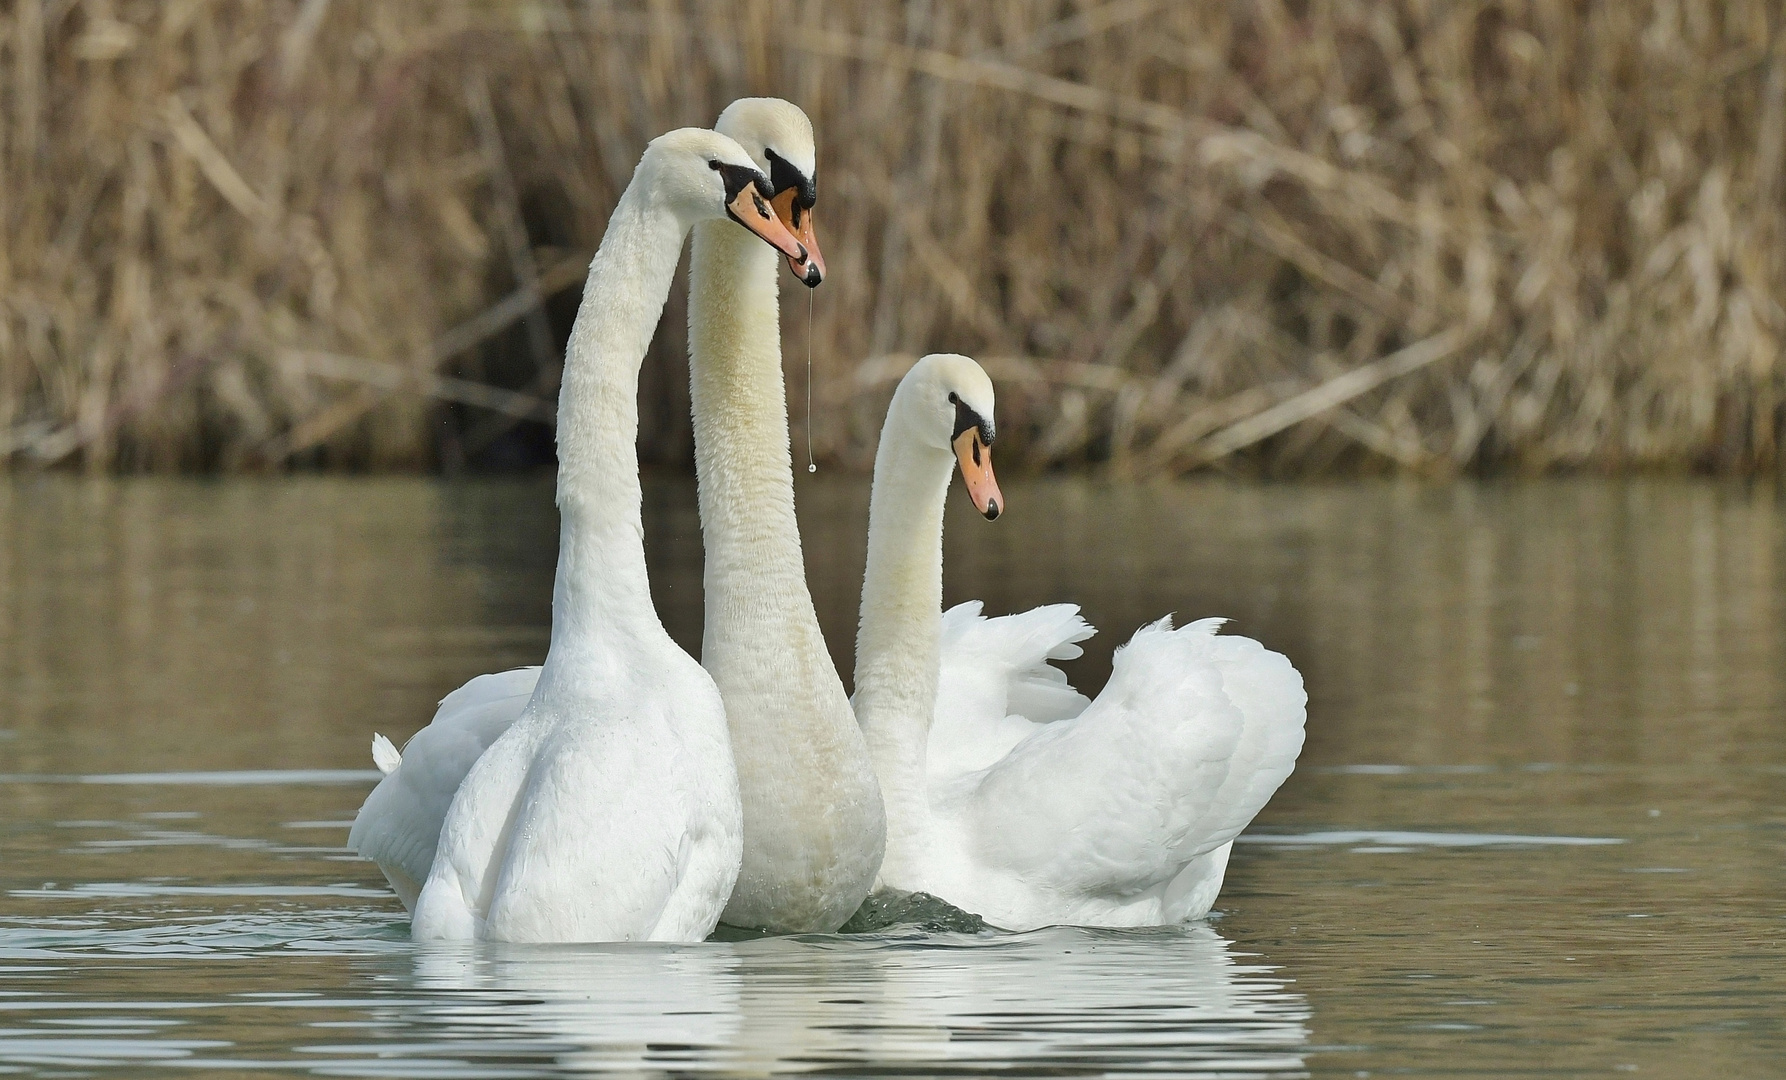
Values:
[(1271, 698), (996, 684), (1118, 798)]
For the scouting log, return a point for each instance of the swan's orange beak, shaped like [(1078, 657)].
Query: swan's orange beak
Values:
[(749, 209), (976, 472), (798, 220)]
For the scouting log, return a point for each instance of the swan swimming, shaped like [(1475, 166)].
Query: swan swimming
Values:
[(814, 828), (1009, 794), (605, 807)]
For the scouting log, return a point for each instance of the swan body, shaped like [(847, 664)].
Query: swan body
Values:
[(606, 809), (1009, 794), (813, 822)]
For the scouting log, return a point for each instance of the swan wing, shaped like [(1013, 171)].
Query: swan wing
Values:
[(527, 855), (454, 902), (1273, 704), (575, 869), (1118, 799), (995, 683), (399, 824)]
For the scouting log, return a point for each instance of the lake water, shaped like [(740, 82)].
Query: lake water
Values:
[(1539, 827)]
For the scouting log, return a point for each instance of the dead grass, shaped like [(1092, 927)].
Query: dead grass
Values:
[(1275, 236)]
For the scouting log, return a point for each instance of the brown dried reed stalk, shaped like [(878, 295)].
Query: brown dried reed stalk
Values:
[(1284, 236)]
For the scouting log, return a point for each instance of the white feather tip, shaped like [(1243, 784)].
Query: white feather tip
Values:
[(385, 755)]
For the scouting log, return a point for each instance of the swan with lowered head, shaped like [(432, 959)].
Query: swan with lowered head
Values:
[(813, 822), (1009, 794), (608, 808)]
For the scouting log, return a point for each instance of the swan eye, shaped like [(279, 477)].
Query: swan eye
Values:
[(954, 398)]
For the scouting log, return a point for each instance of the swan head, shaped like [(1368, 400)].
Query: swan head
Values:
[(945, 401), (703, 176), (778, 137)]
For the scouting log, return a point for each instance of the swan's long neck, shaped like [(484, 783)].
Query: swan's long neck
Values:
[(897, 640), (601, 594), (755, 577)]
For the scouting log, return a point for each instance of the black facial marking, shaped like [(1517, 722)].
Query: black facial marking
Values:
[(739, 177), (783, 176), (966, 418)]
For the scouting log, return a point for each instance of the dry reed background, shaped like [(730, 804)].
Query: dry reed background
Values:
[(1283, 237)]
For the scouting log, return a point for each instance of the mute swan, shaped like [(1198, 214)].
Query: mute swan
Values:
[(1008, 794), (814, 827), (813, 823), (608, 809)]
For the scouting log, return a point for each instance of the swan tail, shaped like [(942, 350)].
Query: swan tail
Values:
[(385, 755)]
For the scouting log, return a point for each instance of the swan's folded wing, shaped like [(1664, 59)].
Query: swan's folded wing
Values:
[(573, 868), (484, 689), (1112, 801), (995, 682), (398, 826), (591, 829), (458, 887)]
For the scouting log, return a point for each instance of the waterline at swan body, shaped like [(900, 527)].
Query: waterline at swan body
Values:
[(607, 808), (1008, 793), (813, 822)]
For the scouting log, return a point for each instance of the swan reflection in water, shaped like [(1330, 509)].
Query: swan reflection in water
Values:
[(1058, 998)]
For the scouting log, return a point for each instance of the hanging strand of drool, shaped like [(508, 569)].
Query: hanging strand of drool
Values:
[(810, 467)]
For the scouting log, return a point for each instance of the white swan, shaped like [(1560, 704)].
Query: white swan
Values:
[(814, 827), (608, 809), (1008, 794), (813, 823)]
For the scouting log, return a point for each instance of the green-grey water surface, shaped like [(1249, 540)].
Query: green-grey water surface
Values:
[(1539, 827)]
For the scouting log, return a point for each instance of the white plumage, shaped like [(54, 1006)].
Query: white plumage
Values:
[(602, 805), (813, 824), (1113, 812), (1009, 794), (398, 827), (812, 812)]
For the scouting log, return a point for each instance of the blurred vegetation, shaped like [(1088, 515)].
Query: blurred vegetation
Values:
[(1279, 236)]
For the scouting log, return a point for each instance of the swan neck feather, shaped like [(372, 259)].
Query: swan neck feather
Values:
[(897, 639), (748, 527), (601, 587), (813, 823)]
